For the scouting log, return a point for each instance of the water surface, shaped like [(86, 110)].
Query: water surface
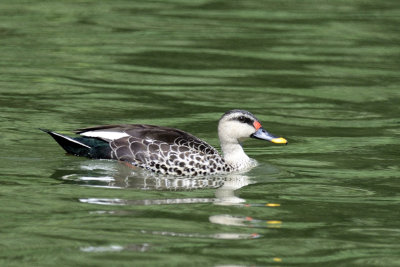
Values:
[(323, 74)]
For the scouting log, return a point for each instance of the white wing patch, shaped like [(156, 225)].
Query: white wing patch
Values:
[(106, 135)]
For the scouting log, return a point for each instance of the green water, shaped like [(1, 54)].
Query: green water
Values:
[(323, 74)]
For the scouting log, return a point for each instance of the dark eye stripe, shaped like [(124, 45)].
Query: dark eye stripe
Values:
[(244, 119)]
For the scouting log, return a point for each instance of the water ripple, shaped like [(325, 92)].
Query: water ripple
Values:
[(116, 248), (144, 202), (228, 236)]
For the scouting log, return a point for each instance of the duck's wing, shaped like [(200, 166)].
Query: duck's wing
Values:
[(142, 132)]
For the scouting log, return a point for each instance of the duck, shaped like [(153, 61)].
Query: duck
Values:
[(170, 151)]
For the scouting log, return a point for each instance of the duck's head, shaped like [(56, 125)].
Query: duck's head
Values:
[(237, 125)]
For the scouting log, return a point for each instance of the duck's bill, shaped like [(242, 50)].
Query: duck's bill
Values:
[(264, 135)]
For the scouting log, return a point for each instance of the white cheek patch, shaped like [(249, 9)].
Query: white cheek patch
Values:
[(105, 135), (241, 130)]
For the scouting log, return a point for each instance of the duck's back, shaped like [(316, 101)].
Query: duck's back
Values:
[(159, 149)]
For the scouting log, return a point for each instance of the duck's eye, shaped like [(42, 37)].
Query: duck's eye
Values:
[(244, 119)]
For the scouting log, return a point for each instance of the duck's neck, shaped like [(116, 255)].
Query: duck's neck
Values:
[(235, 156)]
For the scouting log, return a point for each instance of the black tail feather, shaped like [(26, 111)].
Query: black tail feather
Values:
[(90, 147), (69, 144)]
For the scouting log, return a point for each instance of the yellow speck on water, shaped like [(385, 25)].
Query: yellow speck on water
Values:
[(277, 259), (274, 222), (273, 205)]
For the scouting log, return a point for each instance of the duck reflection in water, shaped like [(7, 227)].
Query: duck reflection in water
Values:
[(107, 174)]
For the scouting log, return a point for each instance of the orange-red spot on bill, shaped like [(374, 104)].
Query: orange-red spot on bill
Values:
[(257, 125)]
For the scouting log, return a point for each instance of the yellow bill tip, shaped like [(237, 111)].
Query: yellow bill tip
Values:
[(279, 140)]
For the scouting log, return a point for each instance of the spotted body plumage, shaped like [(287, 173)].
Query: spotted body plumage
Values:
[(181, 157), (170, 151)]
